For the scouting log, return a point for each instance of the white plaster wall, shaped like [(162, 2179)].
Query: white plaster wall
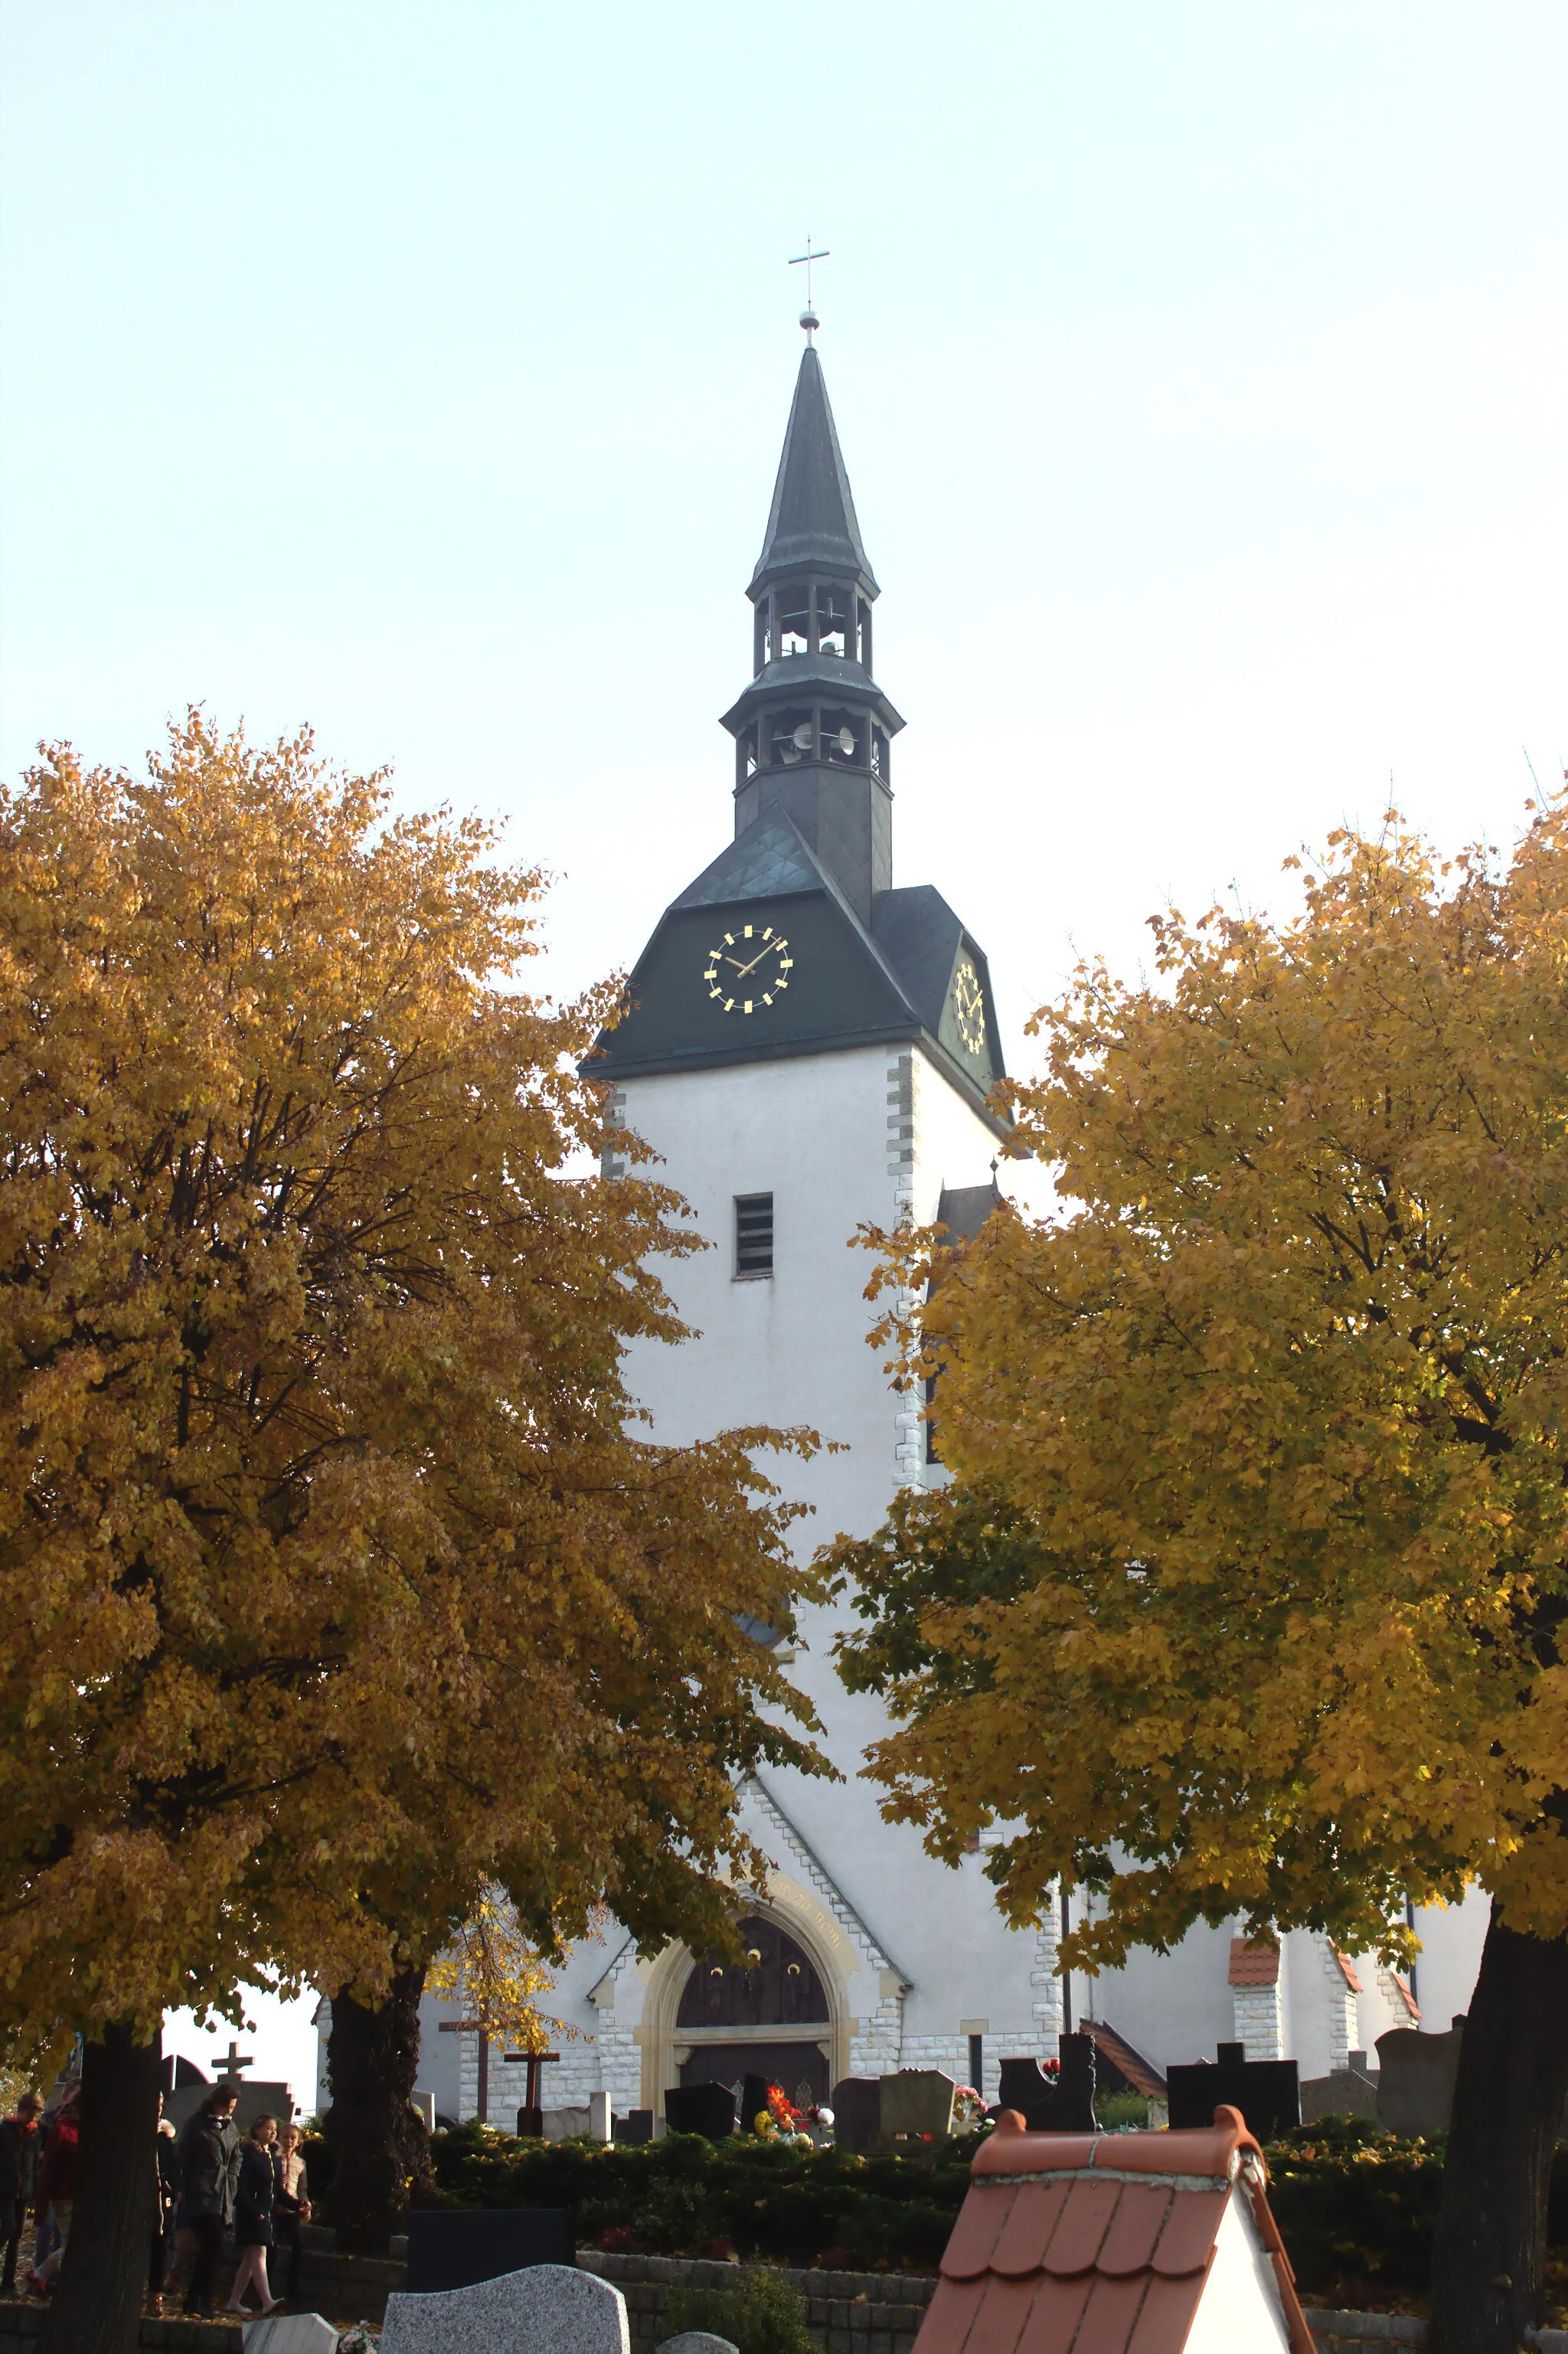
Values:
[(1240, 2306), (840, 1141)]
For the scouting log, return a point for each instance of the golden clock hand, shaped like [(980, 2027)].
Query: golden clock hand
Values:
[(756, 960)]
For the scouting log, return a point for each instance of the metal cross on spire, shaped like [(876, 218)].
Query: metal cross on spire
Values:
[(812, 255)]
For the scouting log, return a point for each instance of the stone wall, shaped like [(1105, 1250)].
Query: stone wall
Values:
[(847, 2312)]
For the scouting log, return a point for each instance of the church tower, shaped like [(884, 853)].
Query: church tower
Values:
[(809, 1049)]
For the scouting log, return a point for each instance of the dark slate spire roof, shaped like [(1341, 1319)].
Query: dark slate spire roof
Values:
[(812, 525)]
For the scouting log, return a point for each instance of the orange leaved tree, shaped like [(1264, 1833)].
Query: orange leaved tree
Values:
[(338, 1581), (1249, 1592)]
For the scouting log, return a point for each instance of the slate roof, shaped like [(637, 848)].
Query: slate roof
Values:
[(770, 857), (812, 525), (1096, 2244)]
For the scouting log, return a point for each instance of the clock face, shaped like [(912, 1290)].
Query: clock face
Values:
[(749, 969), (968, 1008)]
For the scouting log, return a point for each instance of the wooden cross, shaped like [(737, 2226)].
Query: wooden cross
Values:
[(535, 2060), (473, 2027), (233, 2062), (812, 254)]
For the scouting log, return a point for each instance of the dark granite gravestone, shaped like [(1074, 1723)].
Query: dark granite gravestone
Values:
[(637, 2125), (701, 2109), (1266, 2091), (753, 2102), (1066, 2106), (857, 2111), (452, 2247), (529, 2125)]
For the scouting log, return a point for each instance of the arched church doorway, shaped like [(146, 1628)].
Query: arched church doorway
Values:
[(764, 2016)]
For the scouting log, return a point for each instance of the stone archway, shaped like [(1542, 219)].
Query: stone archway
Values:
[(766, 2015), (752, 2019)]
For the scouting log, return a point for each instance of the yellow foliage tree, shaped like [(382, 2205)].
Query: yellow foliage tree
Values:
[(1249, 1591), (338, 1581)]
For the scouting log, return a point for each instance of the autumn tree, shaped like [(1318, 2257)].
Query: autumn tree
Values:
[(340, 1581), (1248, 1593)]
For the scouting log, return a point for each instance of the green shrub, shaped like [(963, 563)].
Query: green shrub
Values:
[(761, 2315), (1115, 2110)]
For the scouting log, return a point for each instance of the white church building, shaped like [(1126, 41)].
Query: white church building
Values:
[(811, 1049)]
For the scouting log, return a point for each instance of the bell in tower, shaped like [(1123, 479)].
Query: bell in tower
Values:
[(812, 729)]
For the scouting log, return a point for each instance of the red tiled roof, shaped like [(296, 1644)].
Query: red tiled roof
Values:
[(1096, 2244), (1407, 1995), (1253, 1965), (1345, 1964)]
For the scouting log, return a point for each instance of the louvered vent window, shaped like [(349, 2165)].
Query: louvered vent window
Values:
[(753, 1234)]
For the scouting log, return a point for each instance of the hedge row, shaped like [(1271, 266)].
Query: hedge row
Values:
[(1356, 2207)]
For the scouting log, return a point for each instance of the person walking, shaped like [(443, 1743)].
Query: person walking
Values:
[(291, 2203), (21, 2147), (56, 2190), (206, 2165), (253, 2215), (167, 2191)]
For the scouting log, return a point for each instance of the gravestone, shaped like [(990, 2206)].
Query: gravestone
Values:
[(698, 2341), (701, 2109), (917, 2105), (548, 2309), (530, 2124), (562, 2125), (598, 2116), (1066, 2106), (857, 2111), (1344, 2093), (452, 2247), (1416, 2076), (636, 2126), (753, 2102), (258, 2098), (290, 2333), (1266, 2091)]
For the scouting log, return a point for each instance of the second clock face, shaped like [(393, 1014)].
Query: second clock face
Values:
[(968, 1007), (749, 969)]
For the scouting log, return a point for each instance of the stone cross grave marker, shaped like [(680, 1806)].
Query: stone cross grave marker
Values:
[(548, 2309), (918, 2103)]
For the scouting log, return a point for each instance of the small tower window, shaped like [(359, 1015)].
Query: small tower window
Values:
[(879, 754), (753, 1236), (794, 739), (842, 739)]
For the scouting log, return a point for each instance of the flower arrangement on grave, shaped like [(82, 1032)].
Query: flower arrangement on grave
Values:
[(969, 2109), (781, 2120), (363, 2338)]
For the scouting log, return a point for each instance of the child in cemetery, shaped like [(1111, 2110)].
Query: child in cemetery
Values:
[(291, 2203), (253, 2195)]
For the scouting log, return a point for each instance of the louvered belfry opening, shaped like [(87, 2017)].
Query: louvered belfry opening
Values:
[(753, 1234)]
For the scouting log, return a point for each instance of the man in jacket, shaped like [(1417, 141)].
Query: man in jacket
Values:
[(208, 2161), (20, 2151)]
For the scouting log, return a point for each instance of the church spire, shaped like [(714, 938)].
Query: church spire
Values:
[(812, 730), (812, 525)]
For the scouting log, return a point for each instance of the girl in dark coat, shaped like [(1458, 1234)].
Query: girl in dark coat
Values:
[(253, 2214), (207, 2159)]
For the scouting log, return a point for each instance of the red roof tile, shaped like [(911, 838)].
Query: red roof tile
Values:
[(1254, 1965), (1096, 2244), (1031, 2221), (1081, 2226), (1053, 2323), (1136, 2229), (1348, 1969)]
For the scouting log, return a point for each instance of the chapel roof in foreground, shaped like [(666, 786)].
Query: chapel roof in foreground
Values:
[(1111, 2243)]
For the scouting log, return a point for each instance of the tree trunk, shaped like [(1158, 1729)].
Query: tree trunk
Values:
[(98, 2304), (376, 2137), (1487, 2274)]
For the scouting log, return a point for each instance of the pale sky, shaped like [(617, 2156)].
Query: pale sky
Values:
[(422, 371)]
